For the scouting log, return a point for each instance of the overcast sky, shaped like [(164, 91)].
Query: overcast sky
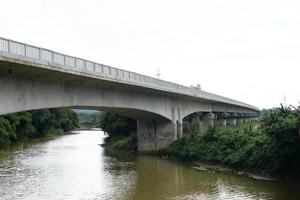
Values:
[(246, 50)]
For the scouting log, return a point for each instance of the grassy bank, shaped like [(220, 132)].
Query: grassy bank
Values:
[(121, 144), (270, 147)]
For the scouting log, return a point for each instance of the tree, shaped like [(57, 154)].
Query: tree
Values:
[(116, 125), (5, 130)]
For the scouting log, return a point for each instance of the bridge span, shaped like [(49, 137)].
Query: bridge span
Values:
[(37, 78)]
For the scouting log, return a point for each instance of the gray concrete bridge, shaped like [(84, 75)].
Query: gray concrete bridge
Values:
[(37, 78)]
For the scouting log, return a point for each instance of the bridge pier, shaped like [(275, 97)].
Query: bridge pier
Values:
[(240, 119), (222, 119), (179, 129), (154, 135), (224, 122), (233, 118), (207, 120)]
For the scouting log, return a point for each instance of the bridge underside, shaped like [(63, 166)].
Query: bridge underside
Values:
[(24, 88), (159, 114)]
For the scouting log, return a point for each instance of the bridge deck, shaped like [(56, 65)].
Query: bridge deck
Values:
[(41, 57)]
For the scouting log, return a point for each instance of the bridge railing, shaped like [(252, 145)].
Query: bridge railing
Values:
[(51, 58)]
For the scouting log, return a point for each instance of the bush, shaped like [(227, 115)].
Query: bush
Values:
[(5, 129), (121, 132), (116, 125), (127, 144), (272, 147)]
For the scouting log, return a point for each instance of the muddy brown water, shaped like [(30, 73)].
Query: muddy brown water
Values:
[(76, 167)]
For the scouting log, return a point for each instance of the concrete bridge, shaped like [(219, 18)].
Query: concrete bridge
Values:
[(37, 78)]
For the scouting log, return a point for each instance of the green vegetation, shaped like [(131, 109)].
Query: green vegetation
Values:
[(271, 146), (88, 120), (121, 132), (35, 124)]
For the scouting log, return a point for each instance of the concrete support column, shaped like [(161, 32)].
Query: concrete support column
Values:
[(233, 119), (224, 122), (175, 131), (179, 129), (153, 135), (207, 121), (211, 119), (239, 120), (222, 119)]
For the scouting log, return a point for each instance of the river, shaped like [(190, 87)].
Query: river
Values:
[(76, 167)]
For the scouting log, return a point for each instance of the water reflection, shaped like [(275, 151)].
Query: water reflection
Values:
[(76, 167), (69, 167)]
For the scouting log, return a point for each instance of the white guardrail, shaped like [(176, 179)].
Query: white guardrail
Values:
[(38, 55)]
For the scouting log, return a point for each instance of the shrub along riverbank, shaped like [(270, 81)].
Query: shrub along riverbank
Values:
[(270, 147), (121, 132), (36, 124)]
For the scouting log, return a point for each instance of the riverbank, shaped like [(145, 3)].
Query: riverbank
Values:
[(126, 147), (121, 144), (268, 149), (203, 167)]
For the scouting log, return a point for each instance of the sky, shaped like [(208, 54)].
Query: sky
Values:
[(245, 50)]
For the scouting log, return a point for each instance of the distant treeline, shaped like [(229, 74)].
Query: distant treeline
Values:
[(35, 124), (88, 119)]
